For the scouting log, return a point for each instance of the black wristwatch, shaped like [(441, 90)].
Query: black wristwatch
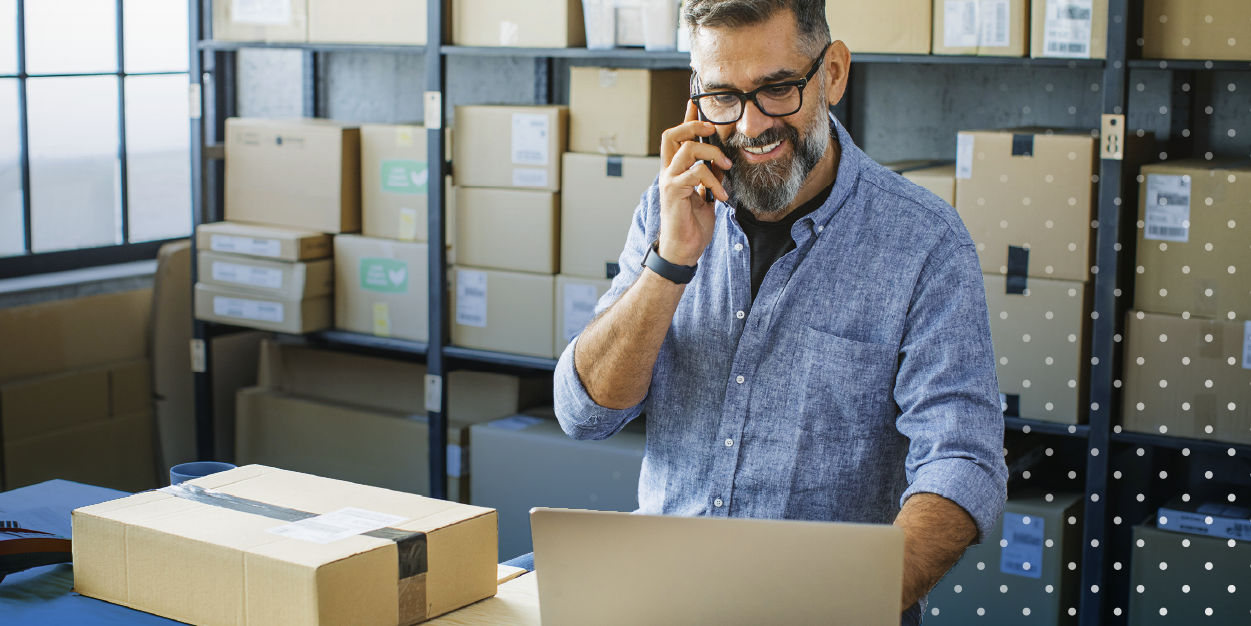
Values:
[(674, 273)]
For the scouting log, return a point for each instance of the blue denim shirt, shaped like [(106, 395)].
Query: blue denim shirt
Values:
[(862, 373)]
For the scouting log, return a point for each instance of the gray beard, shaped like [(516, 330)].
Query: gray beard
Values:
[(769, 188)]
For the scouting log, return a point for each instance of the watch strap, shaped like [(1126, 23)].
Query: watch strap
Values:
[(674, 273)]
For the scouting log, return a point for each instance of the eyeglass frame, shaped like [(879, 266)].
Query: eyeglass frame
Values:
[(801, 83)]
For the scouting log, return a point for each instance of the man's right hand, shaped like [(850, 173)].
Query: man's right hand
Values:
[(686, 219)]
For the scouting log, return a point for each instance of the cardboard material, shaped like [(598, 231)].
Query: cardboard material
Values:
[(38, 405), (379, 22), (381, 287), (148, 550), (575, 306), (251, 310), (981, 27), (624, 111), (510, 146), (280, 279), (268, 242), (70, 334), (1187, 377), (597, 206), (1042, 344), (541, 24), (301, 173), (116, 452), (894, 26), (941, 180), (1070, 29), (1196, 29), (268, 20), (1183, 576), (394, 181), (1193, 256), (503, 311), (1029, 190), (508, 229), (130, 387)]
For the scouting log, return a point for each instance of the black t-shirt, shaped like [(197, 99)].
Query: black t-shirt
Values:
[(769, 241)]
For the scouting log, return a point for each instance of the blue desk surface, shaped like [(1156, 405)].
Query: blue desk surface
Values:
[(44, 595)]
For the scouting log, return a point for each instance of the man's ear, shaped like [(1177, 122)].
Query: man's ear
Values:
[(838, 67)]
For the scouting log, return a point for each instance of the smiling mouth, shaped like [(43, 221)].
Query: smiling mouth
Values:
[(765, 149)]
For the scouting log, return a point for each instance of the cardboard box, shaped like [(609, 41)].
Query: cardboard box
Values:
[(1040, 329), (624, 111), (1027, 199), (302, 173), (1193, 256), (382, 287), (378, 22), (1187, 377), (597, 207), (287, 280), (1071, 29), (575, 306), (75, 333), (536, 24), (510, 146), (264, 567), (894, 26), (1196, 29), (508, 229), (1045, 534), (242, 20), (33, 406), (1182, 577), (130, 387), (116, 452), (394, 181), (242, 308), (503, 311), (941, 180), (267, 242), (981, 27)]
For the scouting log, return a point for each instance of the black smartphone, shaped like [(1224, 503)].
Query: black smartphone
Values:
[(707, 192)]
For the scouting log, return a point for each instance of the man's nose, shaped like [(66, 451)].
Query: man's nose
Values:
[(753, 121)]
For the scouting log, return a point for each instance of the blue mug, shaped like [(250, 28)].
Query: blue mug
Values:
[(196, 469)]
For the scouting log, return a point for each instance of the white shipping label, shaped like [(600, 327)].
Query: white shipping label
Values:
[(264, 12), (240, 274), (1246, 345), (964, 156), (510, 34), (471, 298), (455, 461), (960, 26), (531, 133), (242, 308), (1168, 207), (516, 422), (1068, 28), (579, 308), (529, 177), (1021, 551), (996, 19), (336, 525), (245, 245)]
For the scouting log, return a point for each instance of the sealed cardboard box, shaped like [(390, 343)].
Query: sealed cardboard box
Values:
[(981, 27), (597, 205), (1040, 331), (503, 311), (243, 308), (541, 24), (1178, 578), (1071, 29), (508, 229), (894, 26), (282, 279), (116, 452), (1193, 255), (67, 334), (1187, 377), (309, 550), (244, 20), (575, 306), (1026, 197), (1214, 30), (301, 173), (394, 181), (941, 180), (379, 22), (624, 111), (381, 287), (510, 146), (268, 242)]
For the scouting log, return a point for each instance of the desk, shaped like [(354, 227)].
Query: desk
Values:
[(516, 604)]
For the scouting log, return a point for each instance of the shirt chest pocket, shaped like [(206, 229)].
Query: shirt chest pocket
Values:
[(848, 387)]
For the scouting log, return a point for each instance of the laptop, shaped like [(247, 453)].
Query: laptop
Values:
[(604, 568)]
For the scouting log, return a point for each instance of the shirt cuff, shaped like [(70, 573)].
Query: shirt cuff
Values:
[(580, 416), (967, 484)]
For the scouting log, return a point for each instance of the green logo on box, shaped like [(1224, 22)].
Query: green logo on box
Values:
[(384, 275), (404, 176)]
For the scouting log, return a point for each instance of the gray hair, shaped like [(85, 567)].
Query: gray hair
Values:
[(814, 31)]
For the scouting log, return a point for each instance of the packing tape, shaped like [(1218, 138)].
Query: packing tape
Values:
[(1018, 270), (1022, 145), (614, 166), (611, 269)]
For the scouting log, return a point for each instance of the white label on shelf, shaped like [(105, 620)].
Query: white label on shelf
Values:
[(241, 308), (245, 245), (996, 20), (580, 303), (510, 33), (529, 177), (1246, 345), (471, 298), (241, 274), (336, 525), (455, 461), (1067, 29), (516, 422), (964, 155), (265, 12), (530, 138), (1168, 208), (1021, 553), (960, 27)]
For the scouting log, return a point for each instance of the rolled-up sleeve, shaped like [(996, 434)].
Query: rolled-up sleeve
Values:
[(947, 392)]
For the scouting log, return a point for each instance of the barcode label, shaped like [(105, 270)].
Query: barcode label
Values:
[(1067, 30), (1167, 208), (1021, 551), (240, 308), (995, 15), (245, 245), (251, 275), (471, 298), (964, 156), (579, 308), (960, 25)]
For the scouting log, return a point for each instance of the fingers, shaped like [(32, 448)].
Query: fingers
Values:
[(692, 113), (692, 152), (671, 140), (700, 175)]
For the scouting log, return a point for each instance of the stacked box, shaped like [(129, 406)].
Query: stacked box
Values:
[(894, 26), (1178, 578), (542, 24), (624, 111), (377, 22), (383, 287), (1070, 29), (981, 27), (575, 307), (261, 21), (1196, 29)]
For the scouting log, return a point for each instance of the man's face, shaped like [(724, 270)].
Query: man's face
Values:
[(772, 155)]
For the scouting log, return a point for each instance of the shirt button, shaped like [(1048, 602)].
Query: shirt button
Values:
[(717, 503), (729, 443), (820, 229), (740, 380), (738, 247), (740, 315)]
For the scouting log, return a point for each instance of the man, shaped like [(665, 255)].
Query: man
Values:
[(811, 344)]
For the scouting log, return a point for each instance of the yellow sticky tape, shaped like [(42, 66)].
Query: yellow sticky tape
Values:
[(382, 319)]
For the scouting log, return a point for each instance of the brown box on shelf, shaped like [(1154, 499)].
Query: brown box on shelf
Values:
[(378, 22), (575, 306), (624, 111), (940, 179), (252, 310), (236, 20), (116, 452), (381, 287), (1193, 228), (130, 387), (281, 279), (893, 26), (509, 146), (503, 311), (597, 205), (75, 333), (268, 242), (981, 27), (394, 181), (508, 229), (1184, 576), (301, 173), (510, 24), (1215, 30), (1071, 29)]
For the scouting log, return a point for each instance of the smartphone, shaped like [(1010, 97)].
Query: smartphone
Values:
[(707, 192)]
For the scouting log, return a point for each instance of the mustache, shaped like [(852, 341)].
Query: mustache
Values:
[(737, 140)]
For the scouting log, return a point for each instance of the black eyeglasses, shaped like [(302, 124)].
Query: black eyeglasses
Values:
[(775, 99)]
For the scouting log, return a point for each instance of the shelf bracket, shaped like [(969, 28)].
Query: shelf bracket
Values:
[(434, 110), (1112, 137), (198, 364), (434, 393)]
